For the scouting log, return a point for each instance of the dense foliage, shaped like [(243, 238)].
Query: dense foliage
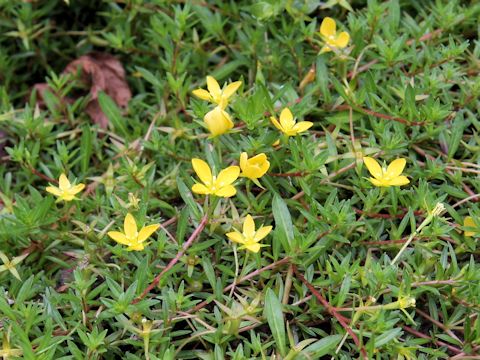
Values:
[(348, 266)]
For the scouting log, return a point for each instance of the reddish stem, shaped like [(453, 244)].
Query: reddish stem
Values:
[(341, 319), (172, 262)]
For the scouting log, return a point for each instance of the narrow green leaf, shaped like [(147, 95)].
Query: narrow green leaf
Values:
[(112, 112), (273, 313)]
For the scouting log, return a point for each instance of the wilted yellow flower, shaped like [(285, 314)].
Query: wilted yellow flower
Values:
[(389, 176), (255, 167), (131, 237), (219, 186), (65, 191), (250, 238), (218, 121), (288, 125), (328, 30), (215, 94), (468, 222)]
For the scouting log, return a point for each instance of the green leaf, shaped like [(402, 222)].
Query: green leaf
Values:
[(112, 112), (321, 347), (273, 313), (283, 222)]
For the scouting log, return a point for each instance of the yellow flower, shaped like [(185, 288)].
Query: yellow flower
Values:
[(288, 125), (389, 176), (215, 94), (250, 238), (328, 30), (255, 167), (468, 222), (65, 191), (131, 236), (219, 186), (218, 121)]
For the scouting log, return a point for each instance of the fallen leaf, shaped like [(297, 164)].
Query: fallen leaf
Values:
[(97, 72)]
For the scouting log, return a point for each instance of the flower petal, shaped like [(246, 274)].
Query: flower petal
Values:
[(302, 126), (53, 190), (213, 86), (136, 247), (231, 88), (146, 231), (119, 237), (201, 189), (235, 236), (328, 27), (203, 171), (325, 49), (249, 227), (63, 182), (218, 121), (226, 191), (395, 168), (227, 176), (243, 160), (373, 167), (261, 233), (130, 226), (276, 123), (377, 182), (398, 181), (342, 39), (253, 247), (202, 94), (286, 119), (77, 188), (468, 222)]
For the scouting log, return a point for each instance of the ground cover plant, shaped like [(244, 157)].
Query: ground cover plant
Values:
[(239, 180)]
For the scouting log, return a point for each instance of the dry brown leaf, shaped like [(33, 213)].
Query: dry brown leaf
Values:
[(98, 72)]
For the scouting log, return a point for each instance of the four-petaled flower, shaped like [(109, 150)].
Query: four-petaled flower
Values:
[(390, 176), (65, 191), (288, 125), (131, 237), (255, 167), (250, 238), (218, 121), (469, 223), (215, 94), (219, 186), (328, 31)]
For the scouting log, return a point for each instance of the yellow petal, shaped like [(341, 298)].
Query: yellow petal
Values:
[(243, 160), (213, 86), (286, 119), (146, 231), (377, 182), (63, 182), (276, 123), (53, 190), (136, 247), (468, 222), (200, 189), (342, 39), (118, 237), (399, 181), (253, 247), (77, 188), (258, 159), (328, 27), (231, 88), (226, 191), (130, 226), (395, 168), (65, 196), (249, 227), (203, 171), (261, 233), (373, 167), (325, 49), (202, 94), (218, 121), (235, 236), (302, 126), (227, 176)]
